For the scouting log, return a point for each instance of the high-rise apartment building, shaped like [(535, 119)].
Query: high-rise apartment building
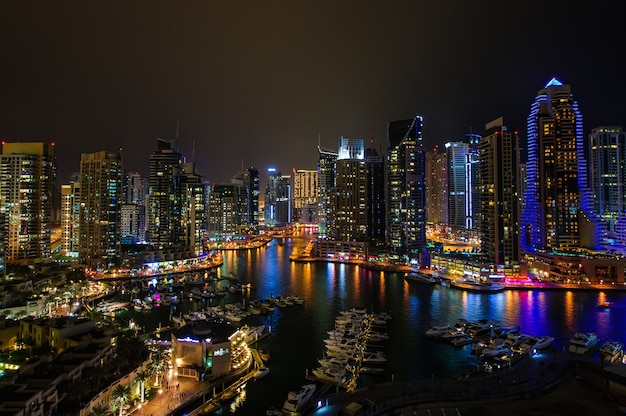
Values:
[(326, 183), (304, 197), (463, 199), (607, 171), (253, 190), (223, 218), (349, 216), (164, 225), (437, 187), (277, 199), (133, 211), (193, 208), (26, 187), (375, 165), (406, 192), (101, 196), (70, 218), (497, 188), (556, 197)]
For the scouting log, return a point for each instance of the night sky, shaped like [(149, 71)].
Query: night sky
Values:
[(261, 81)]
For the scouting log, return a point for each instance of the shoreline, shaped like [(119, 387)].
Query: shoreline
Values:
[(508, 285)]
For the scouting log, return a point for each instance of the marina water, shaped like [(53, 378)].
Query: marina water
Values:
[(298, 331)]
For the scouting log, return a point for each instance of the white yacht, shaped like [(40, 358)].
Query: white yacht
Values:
[(612, 352), (583, 342), (437, 331), (296, 400)]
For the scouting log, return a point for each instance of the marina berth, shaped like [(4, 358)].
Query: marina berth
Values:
[(533, 344)]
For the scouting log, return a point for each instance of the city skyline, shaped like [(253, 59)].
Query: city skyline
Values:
[(240, 83)]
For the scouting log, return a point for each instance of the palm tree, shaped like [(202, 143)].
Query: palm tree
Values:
[(141, 378), (99, 410), (121, 396), (158, 364)]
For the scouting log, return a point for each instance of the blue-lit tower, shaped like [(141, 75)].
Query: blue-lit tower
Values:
[(557, 197)]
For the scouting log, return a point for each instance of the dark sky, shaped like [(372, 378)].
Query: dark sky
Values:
[(260, 81)]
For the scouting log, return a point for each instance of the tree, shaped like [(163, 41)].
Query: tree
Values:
[(141, 379), (99, 410), (120, 397)]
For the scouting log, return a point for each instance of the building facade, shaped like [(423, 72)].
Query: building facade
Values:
[(349, 213), (607, 169), (557, 197), (164, 189), (326, 183), (101, 177), (26, 188), (277, 199), (497, 187), (406, 193), (304, 198)]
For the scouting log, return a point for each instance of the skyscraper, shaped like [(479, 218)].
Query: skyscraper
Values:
[(406, 193), (304, 197), (349, 216), (437, 188), (164, 225), (193, 208), (556, 195), (253, 190), (277, 199), (26, 187), (101, 176), (326, 183), (374, 163), (223, 218), (498, 159), (607, 168), (459, 189)]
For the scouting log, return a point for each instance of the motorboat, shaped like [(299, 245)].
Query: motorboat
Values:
[(583, 342), (298, 399), (533, 343), (605, 305), (437, 331), (330, 376), (612, 352), (495, 350), (420, 277), (514, 340), (260, 372), (476, 286)]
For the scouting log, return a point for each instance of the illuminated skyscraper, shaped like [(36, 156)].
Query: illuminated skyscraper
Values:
[(304, 197), (437, 187), (326, 183), (459, 189), (223, 218), (499, 156), (607, 168), (406, 192), (193, 207), (253, 189), (277, 199), (101, 196), (556, 197), (26, 186), (70, 218), (375, 166), (164, 225), (349, 216)]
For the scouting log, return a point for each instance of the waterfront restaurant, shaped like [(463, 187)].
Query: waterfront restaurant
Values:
[(208, 349)]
